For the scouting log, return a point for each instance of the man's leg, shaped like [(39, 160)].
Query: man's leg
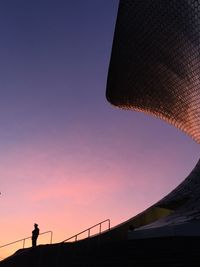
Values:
[(33, 242)]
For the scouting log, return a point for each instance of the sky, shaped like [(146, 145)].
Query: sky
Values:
[(69, 159)]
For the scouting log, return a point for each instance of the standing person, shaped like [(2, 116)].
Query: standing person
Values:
[(35, 234)]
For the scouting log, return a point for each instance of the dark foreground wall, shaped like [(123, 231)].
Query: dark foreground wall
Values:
[(152, 252)]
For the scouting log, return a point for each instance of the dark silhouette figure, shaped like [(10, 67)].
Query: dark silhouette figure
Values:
[(35, 234)]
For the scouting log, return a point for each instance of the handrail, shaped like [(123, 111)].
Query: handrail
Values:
[(24, 239), (88, 230)]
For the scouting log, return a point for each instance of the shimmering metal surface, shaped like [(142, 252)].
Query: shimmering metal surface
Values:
[(155, 61)]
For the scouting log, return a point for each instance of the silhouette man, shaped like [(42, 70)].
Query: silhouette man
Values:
[(35, 234)]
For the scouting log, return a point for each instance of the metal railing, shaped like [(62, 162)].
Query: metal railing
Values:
[(89, 230), (24, 239)]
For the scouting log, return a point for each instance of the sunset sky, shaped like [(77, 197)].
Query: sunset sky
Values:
[(68, 159)]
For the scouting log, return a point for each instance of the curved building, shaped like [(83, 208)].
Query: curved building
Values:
[(155, 68), (155, 61)]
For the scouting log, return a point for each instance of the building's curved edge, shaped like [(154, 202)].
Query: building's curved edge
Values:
[(178, 124)]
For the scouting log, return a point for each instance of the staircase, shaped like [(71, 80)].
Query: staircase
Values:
[(22, 243)]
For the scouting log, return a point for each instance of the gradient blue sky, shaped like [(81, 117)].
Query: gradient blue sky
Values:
[(68, 159)]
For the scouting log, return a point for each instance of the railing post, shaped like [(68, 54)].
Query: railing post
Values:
[(51, 237), (89, 232), (100, 228), (24, 242)]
